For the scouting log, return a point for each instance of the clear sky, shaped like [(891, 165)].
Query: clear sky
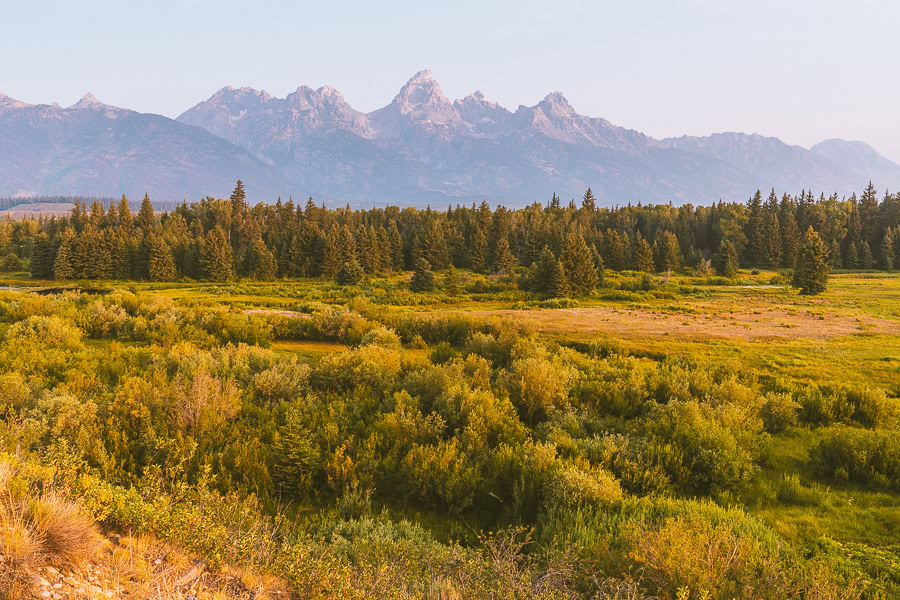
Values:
[(802, 70)]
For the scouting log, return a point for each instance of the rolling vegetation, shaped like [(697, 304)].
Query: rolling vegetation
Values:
[(552, 402)]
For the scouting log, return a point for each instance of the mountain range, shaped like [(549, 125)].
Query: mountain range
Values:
[(422, 148)]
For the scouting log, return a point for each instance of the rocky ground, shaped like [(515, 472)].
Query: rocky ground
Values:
[(143, 568)]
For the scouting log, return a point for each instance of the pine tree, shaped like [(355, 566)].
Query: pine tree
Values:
[(866, 260), (112, 216), (811, 272), (868, 213), (852, 259), (559, 283), (331, 253), (772, 232), (615, 250), (755, 231), (578, 265), (350, 273), (396, 244), (554, 202), (239, 211), (422, 279), (296, 456), (669, 258), (834, 255), (727, 259), (145, 217), (217, 260), (62, 266), (119, 267), (259, 261), (162, 264), (540, 275), (790, 233), (433, 244), (588, 202), (504, 261), (43, 257), (479, 252), (451, 282), (887, 250), (643, 255), (126, 220)]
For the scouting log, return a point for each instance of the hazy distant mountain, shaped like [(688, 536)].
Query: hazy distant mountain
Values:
[(422, 148), (863, 159), (784, 167), (100, 150)]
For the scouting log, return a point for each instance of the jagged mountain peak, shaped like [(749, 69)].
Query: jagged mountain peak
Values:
[(7, 103), (230, 94), (422, 94), (557, 105), (88, 101)]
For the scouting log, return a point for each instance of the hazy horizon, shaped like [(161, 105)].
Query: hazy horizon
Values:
[(803, 73)]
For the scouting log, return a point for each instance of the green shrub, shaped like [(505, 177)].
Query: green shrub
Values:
[(870, 458)]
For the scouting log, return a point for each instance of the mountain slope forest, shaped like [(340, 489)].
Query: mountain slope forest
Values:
[(553, 402)]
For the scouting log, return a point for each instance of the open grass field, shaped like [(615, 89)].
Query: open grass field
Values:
[(764, 332)]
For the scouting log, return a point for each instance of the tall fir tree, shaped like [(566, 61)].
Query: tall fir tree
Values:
[(588, 201), (260, 262), (851, 260), (887, 250), (790, 233), (643, 254), (126, 219), (451, 282), (162, 263), (559, 283), (866, 260), (504, 261), (811, 272), (755, 231), (540, 275), (145, 217), (615, 250), (772, 240), (396, 244), (349, 273), (479, 252), (727, 259), (62, 266), (422, 279), (578, 264), (669, 253), (217, 260)]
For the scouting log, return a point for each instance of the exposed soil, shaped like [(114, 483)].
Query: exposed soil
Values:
[(747, 325)]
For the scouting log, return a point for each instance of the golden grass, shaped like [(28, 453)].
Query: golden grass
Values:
[(38, 530)]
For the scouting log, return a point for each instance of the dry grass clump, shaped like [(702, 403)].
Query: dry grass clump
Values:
[(38, 530)]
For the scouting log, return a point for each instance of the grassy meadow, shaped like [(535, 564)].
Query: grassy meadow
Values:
[(367, 441)]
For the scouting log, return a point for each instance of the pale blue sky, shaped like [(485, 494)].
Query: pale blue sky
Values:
[(803, 70)]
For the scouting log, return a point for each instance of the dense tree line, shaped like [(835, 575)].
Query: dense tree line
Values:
[(565, 249)]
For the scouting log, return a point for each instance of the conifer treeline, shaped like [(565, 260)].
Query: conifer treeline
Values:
[(566, 247)]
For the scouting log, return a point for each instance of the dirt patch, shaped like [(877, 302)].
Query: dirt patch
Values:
[(697, 325), (272, 311)]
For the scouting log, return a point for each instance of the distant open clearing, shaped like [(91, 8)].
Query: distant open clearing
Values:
[(746, 325), (37, 209)]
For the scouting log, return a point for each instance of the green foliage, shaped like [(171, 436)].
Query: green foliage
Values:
[(727, 259), (869, 458), (422, 279), (811, 272), (350, 273)]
